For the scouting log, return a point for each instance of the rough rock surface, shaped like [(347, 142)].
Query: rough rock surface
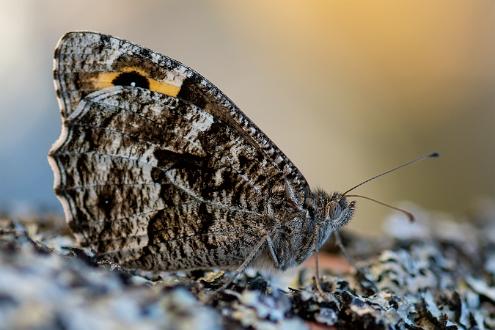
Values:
[(432, 274)]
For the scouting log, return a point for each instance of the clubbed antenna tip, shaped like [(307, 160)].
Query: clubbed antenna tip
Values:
[(434, 155)]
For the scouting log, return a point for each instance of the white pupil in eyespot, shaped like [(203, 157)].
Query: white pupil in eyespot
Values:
[(133, 84)]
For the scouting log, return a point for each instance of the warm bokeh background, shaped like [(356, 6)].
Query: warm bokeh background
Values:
[(345, 88)]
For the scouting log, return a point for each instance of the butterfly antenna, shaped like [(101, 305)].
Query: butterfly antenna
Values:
[(409, 215), (432, 155)]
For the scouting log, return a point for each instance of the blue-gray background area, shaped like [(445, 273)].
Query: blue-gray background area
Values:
[(29, 124)]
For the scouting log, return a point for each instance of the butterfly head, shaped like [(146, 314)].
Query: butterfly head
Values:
[(332, 211)]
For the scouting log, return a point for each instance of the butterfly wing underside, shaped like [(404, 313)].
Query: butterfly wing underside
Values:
[(155, 167)]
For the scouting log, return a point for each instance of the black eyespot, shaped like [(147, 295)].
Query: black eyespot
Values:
[(132, 78), (105, 203)]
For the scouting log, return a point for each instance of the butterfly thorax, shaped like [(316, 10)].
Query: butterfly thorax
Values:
[(305, 233)]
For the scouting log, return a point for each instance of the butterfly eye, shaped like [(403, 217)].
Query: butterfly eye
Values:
[(332, 210), (133, 78)]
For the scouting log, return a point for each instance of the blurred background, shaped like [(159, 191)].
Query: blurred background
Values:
[(346, 89)]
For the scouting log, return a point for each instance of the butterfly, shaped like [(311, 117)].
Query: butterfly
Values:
[(157, 169)]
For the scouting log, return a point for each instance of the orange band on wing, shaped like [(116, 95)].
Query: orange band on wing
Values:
[(105, 79)]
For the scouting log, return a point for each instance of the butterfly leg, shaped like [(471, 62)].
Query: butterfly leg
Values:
[(269, 243), (338, 241), (317, 275), (317, 262), (349, 259), (244, 264)]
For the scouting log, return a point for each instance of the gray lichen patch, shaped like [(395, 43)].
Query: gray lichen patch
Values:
[(430, 281)]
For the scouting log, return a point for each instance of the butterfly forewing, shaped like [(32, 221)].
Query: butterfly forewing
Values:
[(87, 61)]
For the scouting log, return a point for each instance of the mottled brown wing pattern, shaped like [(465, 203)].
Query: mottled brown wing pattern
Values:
[(82, 60)]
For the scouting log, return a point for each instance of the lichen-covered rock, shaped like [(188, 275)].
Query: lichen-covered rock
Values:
[(432, 274)]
